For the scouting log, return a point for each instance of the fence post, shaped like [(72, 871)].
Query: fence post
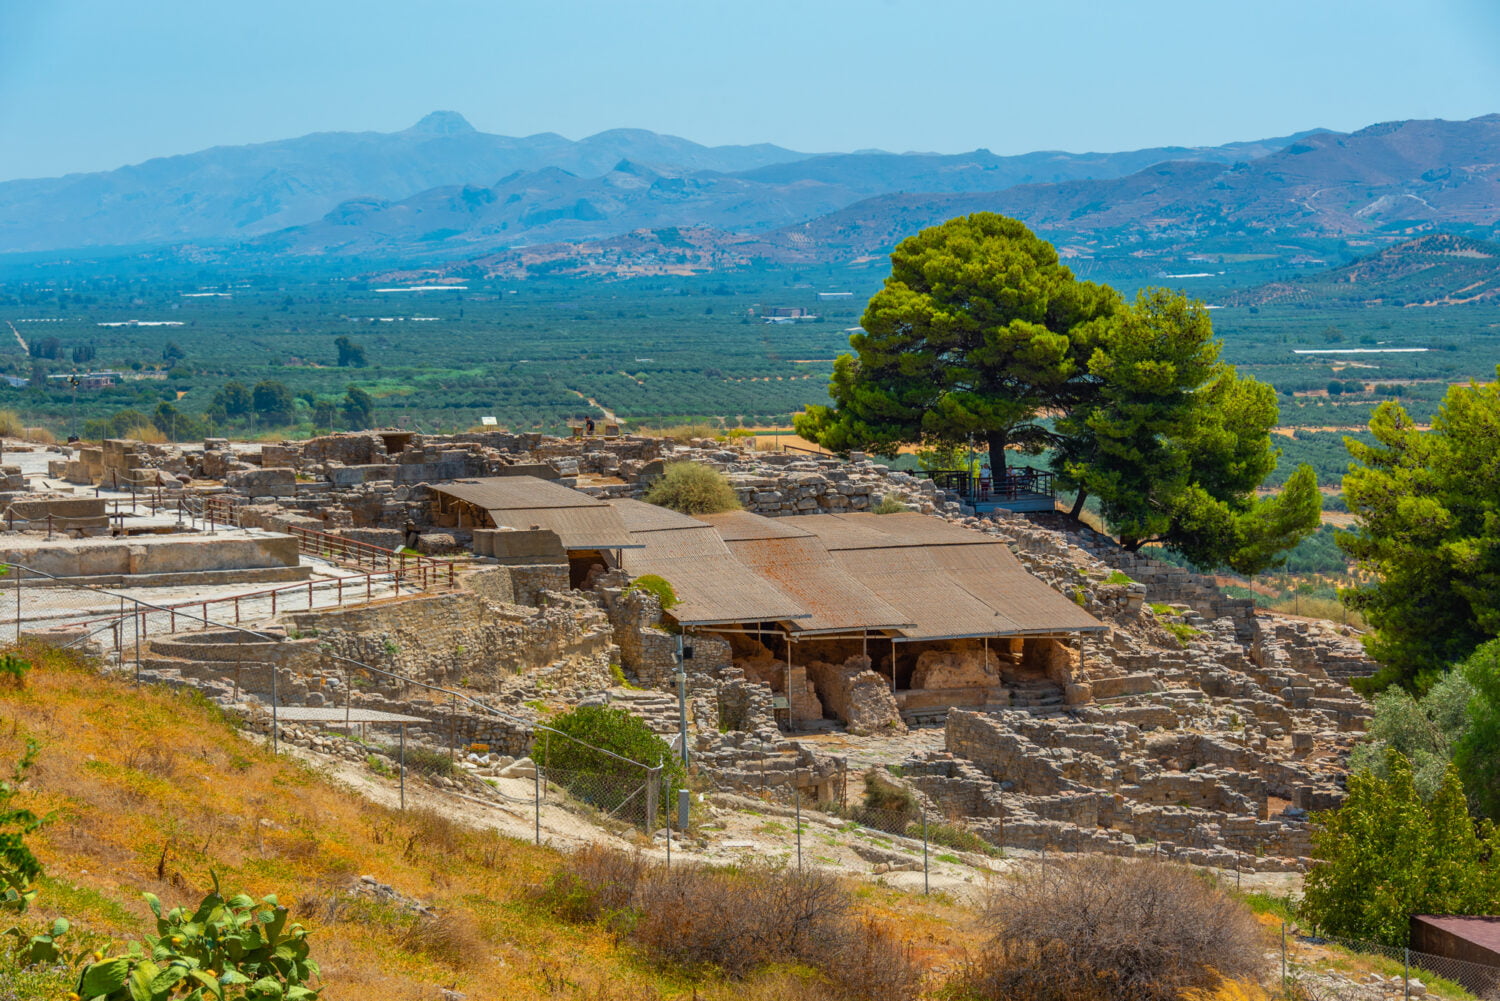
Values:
[(669, 834), (797, 799), (536, 795), (1406, 970), (925, 876), (1283, 953), (653, 788), (275, 735), (403, 765)]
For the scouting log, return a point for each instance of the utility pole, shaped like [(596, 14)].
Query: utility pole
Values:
[(684, 654)]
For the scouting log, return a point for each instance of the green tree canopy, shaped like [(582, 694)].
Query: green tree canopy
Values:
[(359, 408), (351, 355), (273, 402), (1387, 854), (1174, 443), (1428, 533), (978, 330)]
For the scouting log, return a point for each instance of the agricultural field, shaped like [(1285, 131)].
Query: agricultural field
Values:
[(533, 354)]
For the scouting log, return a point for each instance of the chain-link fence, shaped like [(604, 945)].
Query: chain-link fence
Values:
[(1316, 968)]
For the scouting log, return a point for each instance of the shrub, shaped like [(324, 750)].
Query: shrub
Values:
[(11, 425), (889, 504), (654, 585), (236, 942), (13, 671), (1092, 928), (423, 760), (585, 752), (693, 488), (736, 921), (1387, 854), (887, 806), (41, 436), (19, 868)]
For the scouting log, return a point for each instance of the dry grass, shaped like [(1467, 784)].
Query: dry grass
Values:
[(151, 789), (1091, 928), (11, 425), (148, 433), (682, 433), (1330, 609), (40, 436)]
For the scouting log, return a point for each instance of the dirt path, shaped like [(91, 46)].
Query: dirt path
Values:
[(19, 339), (609, 414)]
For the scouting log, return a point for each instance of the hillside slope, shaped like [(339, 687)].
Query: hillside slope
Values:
[(1436, 270), (151, 789)]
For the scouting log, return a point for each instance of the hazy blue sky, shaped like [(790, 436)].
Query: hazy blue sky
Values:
[(94, 84)]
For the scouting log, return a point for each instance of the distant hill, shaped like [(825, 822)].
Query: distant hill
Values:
[(553, 205), (1381, 185), (1387, 181), (229, 193), (418, 191), (1436, 270)]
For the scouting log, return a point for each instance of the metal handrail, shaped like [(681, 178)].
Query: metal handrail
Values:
[(323, 544), (455, 697)]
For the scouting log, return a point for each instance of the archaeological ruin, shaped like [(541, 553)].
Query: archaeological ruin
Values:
[(1016, 672)]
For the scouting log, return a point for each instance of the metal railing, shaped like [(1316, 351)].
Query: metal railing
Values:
[(1014, 483), (425, 570)]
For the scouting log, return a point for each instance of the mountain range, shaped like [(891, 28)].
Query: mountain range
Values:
[(411, 188), (443, 195)]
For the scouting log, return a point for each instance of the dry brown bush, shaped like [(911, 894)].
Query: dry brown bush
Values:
[(737, 921), (1094, 928), (148, 433), (40, 436), (451, 938)]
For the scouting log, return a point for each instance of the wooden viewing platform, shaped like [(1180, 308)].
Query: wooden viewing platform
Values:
[(1018, 488)]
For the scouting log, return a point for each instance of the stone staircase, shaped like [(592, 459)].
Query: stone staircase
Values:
[(657, 709), (1038, 696)]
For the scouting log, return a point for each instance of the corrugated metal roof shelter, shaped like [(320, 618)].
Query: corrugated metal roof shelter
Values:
[(581, 521), (796, 563), (714, 588), (951, 582)]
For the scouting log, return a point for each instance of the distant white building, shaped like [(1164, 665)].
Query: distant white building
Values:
[(835, 295)]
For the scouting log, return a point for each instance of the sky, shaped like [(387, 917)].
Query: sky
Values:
[(97, 84)]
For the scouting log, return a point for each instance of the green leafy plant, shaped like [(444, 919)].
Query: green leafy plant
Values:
[(13, 670), (889, 504), (659, 587), (1387, 854), (237, 943), (1118, 577), (693, 488), (1182, 631), (19, 868)]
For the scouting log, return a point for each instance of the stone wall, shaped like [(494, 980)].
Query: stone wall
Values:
[(467, 637)]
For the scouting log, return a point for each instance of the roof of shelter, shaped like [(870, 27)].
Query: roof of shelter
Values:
[(713, 587), (949, 581), (797, 564), (580, 520)]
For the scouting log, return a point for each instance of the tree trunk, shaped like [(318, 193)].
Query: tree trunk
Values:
[(1083, 496), (997, 441)]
